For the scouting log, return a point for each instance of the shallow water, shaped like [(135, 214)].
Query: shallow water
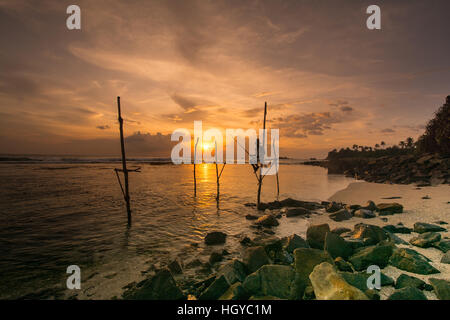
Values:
[(56, 215)]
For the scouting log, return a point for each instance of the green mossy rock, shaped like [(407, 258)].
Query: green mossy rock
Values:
[(271, 280), (425, 240), (374, 255), (315, 235), (411, 261), (215, 290), (405, 280), (336, 246), (441, 288), (407, 293), (422, 227)]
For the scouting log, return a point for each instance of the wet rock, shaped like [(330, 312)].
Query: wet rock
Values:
[(215, 290), (293, 212), (288, 202), (396, 240), (336, 246), (293, 242), (333, 207), (271, 280), (315, 235), (372, 294), (255, 258), (425, 240), (411, 261), (389, 208), (443, 245), (340, 215), (193, 264), (446, 258), (374, 255), (175, 267), (267, 220), (251, 217), (369, 234), (364, 213), (233, 271), (245, 241), (370, 205), (397, 229), (404, 281), (215, 257), (407, 293), (270, 244), (329, 285), (161, 286), (441, 287), (440, 222), (359, 279), (215, 237), (422, 227), (235, 292), (305, 259), (343, 265), (340, 230), (309, 293)]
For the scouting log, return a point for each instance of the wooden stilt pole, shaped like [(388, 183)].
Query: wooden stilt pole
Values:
[(195, 177), (217, 173), (124, 164), (259, 160)]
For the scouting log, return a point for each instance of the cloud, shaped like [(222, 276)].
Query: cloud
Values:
[(346, 109), (387, 130), (103, 127)]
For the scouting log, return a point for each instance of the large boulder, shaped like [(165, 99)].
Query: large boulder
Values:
[(293, 242), (340, 215), (422, 227), (411, 261), (215, 290), (441, 287), (369, 234), (271, 280), (315, 235), (374, 255), (267, 220), (425, 240), (336, 246), (305, 259), (233, 271), (329, 285), (389, 208), (407, 293), (255, 258), (405, 280), (364, 213), (235, 292), (215, 237), (359, 279), (293, 212), (161, 286), (343, 265)]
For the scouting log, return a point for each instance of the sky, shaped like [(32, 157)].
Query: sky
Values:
[(328, 80)]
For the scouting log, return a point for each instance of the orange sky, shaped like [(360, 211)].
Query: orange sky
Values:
[(328, 80)]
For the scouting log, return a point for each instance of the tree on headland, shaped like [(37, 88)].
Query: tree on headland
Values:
[(383, 144)]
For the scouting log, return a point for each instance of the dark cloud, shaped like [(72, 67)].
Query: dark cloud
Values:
[(346, 109), (103, 127), (388, 130)]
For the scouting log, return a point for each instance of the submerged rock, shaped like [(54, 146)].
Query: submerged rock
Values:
[(175, 267), (425, 240), (267, 220), (374, 255), (293, 212), (407, 293), (340, 215), (255, 258), (215, 257), (422, 227), (329, 285), (271, 280), (215, 237), (441, 287), (411, 261), (315, 235), (336, 246)]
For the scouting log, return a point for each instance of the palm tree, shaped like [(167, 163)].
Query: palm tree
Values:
[(355, 147), (410, 142), (402, 144), (383, 144), (377, 146)]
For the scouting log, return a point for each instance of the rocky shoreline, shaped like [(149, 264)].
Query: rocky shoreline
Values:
[(423, 170), (328, 264)]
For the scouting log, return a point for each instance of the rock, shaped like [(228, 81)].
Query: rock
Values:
[(309, 293), (407, 293), (175, 267), (440, 222), (341, 215), (425, 240), (251, 217), (336, 246), (370, 205), (305, 259), (389, 208), (193, 264), (411, 261), (215, 237), (441, 287), (293, 212), (233, 271), (288, 202), (340, 230), (443, 245), (422, 227), (364, 213), (333, 207), (215, 290), (343, 265), (359, 279), (397, 229), (245, 241), (271, 280), (293, 242), (404, 281), (369, 234), (329, 285), (372, 294), (267, 220), (235, 292), (161, 286), (396, 240), (446, 258), (315, 235), (374, 255), (255, 258), (263, 298), (272, 245), (215, 257)]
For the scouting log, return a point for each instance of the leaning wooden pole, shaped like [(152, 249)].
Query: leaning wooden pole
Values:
[(195, 177), (124, 164), (259, 155)]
